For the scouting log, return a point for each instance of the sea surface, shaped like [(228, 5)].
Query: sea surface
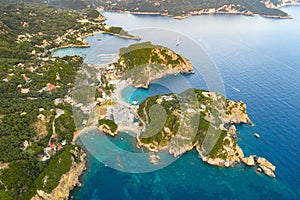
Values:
[(253, 59)]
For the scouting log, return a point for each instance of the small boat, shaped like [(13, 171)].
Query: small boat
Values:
[(177, 42), (256, 135), (99, 39), (135, 102)]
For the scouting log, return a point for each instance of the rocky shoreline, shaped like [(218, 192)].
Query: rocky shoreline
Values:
[(235, 113), (68, 181), (105, 129), (226, 9), (235, 154), (133, 37), (72, 46)]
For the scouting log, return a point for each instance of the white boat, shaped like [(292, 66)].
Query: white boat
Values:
[(135, 102), (236, 89), (256, 135), (177, 41)]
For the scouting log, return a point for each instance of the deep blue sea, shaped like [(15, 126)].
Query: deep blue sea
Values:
[(253, 59)]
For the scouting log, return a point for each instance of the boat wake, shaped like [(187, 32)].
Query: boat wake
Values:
[(234, 88)]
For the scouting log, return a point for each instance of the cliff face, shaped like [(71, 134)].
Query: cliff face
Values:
[(229, 153), (105, 128), (67, 182), (236, 113)]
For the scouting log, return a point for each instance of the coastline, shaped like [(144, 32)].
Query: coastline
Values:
[(68, 181), (117, 93), (82, 131), (71, 46), (123, 36), (268, 138), (116, 96), (86, 45), (209, 12), (289, 4)]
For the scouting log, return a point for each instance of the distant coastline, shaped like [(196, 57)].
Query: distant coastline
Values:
[(212, 11)]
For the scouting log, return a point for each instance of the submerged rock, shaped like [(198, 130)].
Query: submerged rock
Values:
[(258, 170)]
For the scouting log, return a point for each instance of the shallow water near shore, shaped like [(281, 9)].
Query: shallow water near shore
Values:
[(259, 62)]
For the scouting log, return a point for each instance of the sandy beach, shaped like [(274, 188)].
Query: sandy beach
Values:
[(117, 94), (84, 130), (116, 97)]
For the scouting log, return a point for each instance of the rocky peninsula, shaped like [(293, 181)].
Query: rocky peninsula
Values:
[(120, 32), (176, 123), (142, 63), (210, 128), (67, 181)]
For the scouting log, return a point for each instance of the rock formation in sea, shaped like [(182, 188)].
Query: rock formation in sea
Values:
[(267, 167)]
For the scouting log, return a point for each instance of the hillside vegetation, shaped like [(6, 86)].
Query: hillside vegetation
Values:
[(145, 62), (179, 7), (33, 86), (191, 119)]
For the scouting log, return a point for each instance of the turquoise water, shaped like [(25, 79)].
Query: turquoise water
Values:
[(258, 60)]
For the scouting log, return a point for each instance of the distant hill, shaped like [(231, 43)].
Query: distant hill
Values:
[(64, 4), (267, 8), (68, 4), (184, 7)]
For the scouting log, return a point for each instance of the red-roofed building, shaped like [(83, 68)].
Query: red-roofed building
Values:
[(25, 78), (30, 69), (52, 145), (49, 87)]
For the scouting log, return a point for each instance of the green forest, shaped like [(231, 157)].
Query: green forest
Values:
[(30, 82)]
